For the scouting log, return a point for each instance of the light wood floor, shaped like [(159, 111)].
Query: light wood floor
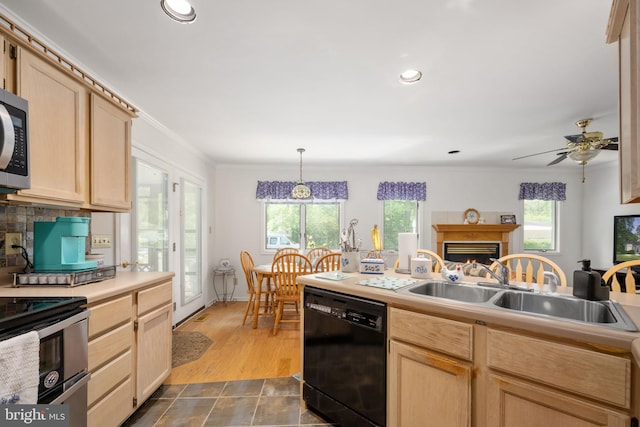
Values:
[(239, 352)]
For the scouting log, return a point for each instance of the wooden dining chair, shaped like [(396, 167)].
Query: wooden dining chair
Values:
[(328, 262), (285, 271), (611, 279), (529, 268), (287, 250), (316, 253), (437, 263), (269, 294)]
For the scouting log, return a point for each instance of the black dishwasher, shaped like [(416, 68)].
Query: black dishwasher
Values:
[(345, 358)]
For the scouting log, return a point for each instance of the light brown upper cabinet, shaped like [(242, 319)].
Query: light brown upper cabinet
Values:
[(623, 28), (57, 132), (110, 156), (79, 131)]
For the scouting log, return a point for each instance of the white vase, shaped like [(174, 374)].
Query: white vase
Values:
[(350, 262)]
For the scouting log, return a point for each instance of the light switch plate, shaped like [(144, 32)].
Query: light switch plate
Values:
[(100, 241)]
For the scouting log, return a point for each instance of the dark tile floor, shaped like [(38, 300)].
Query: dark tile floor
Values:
[(266, 402)]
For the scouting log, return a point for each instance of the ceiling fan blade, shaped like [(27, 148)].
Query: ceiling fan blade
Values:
[(561, 157), (537, 154), (576, 139), (610, 146)]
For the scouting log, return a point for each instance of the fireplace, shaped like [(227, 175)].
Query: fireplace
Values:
[(481, 252), (496, 235)]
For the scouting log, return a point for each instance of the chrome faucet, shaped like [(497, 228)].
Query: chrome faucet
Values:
[(503, 278)]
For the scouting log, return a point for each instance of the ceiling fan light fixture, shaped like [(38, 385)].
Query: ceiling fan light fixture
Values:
[(179, 10), (301, 190), (410, 76), (583, 156)]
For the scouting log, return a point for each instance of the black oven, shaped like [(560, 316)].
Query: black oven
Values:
[(345, 358), (62, 326)]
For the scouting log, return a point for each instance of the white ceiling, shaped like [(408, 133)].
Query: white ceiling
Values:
[(252, 80)]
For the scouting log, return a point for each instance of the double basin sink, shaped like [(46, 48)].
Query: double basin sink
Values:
[(567, 307)]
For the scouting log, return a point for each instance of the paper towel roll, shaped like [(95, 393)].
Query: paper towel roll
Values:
[(407, 249)]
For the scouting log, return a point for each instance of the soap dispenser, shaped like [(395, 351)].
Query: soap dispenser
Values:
[(587, 284)]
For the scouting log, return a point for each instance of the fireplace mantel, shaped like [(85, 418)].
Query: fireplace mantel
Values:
[(474, 233)]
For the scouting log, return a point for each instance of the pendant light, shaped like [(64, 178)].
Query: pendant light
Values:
[(301, 190)]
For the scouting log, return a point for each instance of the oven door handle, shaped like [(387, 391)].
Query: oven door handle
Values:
[(64, 323), (71, 390)]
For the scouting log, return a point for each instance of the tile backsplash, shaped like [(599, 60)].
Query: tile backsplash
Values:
[(20, 219)]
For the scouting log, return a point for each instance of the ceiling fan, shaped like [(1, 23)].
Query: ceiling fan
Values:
[(582, 147)]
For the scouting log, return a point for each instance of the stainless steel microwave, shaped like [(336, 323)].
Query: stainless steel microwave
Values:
[(14, 143)]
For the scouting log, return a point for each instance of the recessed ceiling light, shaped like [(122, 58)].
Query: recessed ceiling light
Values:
[(179, 10), (410, 76)]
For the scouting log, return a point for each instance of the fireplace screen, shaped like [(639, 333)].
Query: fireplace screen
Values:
[(471, 251)]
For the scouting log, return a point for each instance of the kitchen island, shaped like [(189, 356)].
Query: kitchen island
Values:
[(130, 330), (453, 363)]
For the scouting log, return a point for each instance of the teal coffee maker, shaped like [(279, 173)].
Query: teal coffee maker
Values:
[(60, 245)]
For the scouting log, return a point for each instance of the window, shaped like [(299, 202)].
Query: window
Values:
[(540, 225), (302, 225), (400, 216)]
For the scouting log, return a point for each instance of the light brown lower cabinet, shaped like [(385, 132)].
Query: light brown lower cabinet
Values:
[(154, 351), (129, 352), (517, 403), (429, 371), (445, 372), (427, 389)]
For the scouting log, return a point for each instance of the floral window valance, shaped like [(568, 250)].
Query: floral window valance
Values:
[(320, 190), (402, 191), (543, 191)]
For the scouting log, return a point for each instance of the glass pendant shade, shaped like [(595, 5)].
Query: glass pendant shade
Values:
[(301, 190), (583, 156)]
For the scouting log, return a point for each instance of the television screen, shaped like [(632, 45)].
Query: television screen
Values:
[(626, 238)]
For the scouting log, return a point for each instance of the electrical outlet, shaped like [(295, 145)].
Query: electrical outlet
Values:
[(12, 239), (100, 241)]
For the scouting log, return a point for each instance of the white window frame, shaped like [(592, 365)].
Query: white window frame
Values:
[(303, 240), (418, 223), (556, 229)]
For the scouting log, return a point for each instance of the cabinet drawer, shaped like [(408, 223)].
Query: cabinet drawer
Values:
[(448, 336), (595, 375), (109, 345), (114, 408), (151, 298), (110, 314), (107, 377)]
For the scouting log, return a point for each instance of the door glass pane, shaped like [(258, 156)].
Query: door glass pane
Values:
[(151, 210), (283, 225), (191, 242), (400, 216), (540, 225), (322, 225)]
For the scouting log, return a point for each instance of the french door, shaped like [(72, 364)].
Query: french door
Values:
[(166, 229)]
